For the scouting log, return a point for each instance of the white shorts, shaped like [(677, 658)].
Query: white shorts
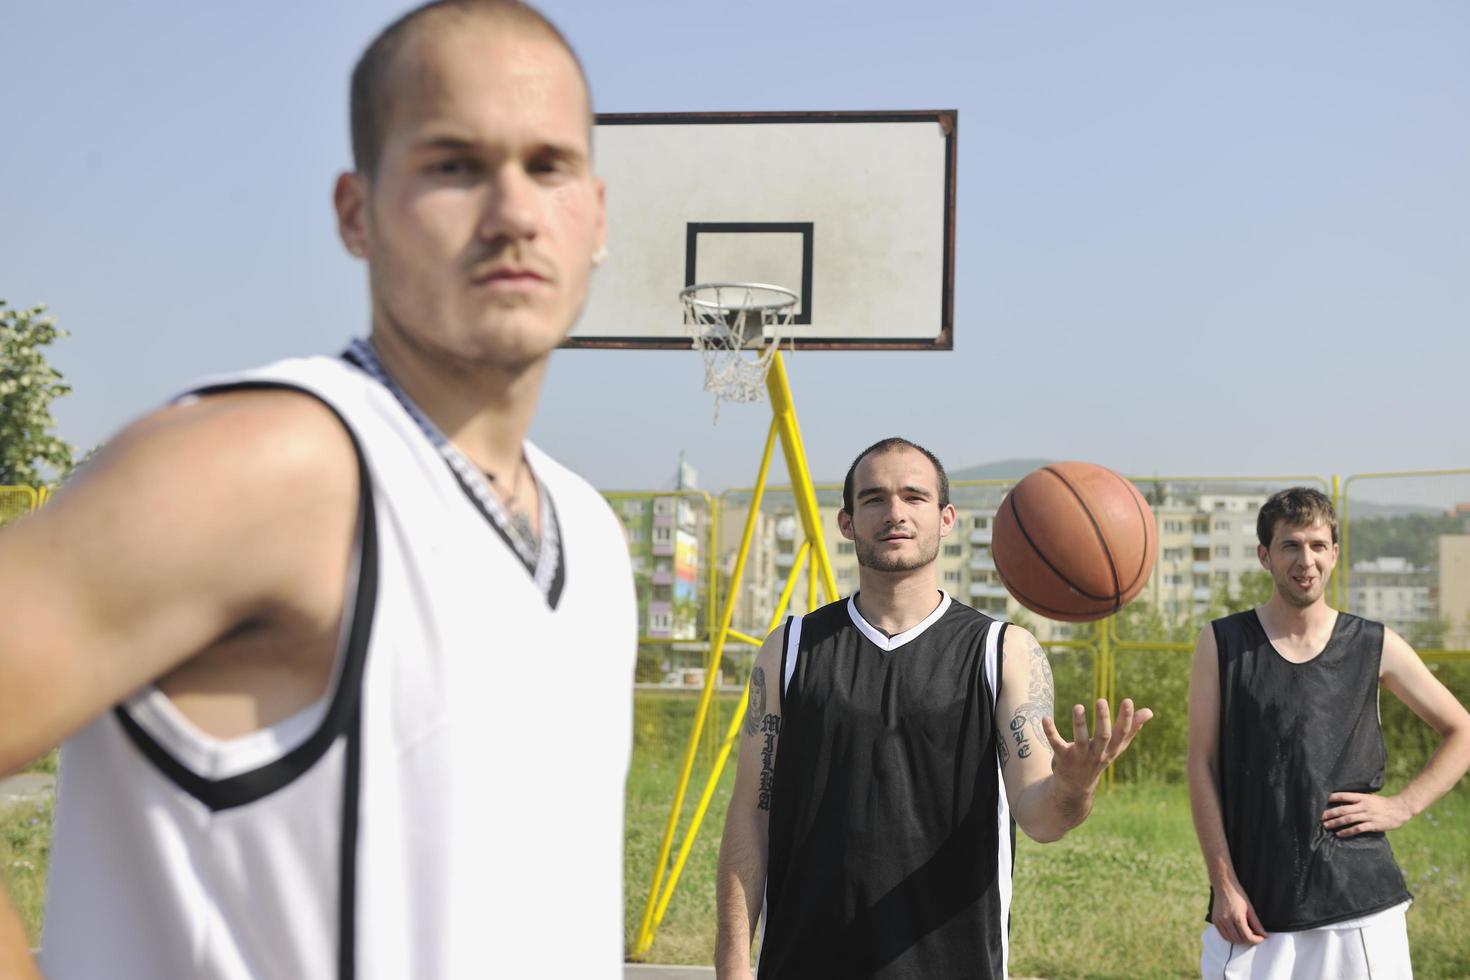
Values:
[(1375, 947)]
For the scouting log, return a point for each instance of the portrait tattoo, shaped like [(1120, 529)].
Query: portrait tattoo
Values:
[(771, 725), (757, 705)]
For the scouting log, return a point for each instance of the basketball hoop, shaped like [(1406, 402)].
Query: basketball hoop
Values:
[(727, 320)]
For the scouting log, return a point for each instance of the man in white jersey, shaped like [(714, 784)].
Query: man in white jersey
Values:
[(1286, 765), (891, 739), (341, 661)]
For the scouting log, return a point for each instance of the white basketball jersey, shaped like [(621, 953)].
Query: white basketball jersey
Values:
[(452, 807)]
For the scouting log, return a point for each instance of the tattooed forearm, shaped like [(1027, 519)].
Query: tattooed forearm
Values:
[(1025, 724), (757, 702), (771, 725), (1003, 751)]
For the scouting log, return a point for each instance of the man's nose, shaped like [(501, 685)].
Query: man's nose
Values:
[(513, 209)]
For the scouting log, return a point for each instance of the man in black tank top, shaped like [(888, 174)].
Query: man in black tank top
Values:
[(1286, 761), (913, 733)]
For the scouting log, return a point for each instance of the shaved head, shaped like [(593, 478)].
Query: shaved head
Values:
[(378, 76)]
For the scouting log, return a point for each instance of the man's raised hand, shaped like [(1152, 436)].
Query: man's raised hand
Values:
[(1078, 763)]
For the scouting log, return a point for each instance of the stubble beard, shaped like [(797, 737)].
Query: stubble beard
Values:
[(868, 556), (492, 359)]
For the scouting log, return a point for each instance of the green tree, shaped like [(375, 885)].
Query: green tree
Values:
[(1428, 635), (30, 453)]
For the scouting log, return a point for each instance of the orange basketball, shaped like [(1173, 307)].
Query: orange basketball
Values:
[(1074, 541)]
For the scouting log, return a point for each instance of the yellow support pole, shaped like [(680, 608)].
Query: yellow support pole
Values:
[(717, 642), (779, 389), (811, 586), (724, 753), (1339, 504), (784, 426), (1109, 680)]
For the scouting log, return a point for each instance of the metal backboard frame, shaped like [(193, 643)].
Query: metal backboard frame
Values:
[(853, 211)]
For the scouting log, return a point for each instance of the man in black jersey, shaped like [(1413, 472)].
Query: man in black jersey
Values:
[(910, 730), (1286, 760)]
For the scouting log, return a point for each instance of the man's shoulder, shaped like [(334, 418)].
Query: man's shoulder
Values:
[(1236, 621), (329, 378), (961, 612), (822, 621), (569, 489)]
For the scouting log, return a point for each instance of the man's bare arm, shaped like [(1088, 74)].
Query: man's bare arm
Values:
[(196, 521), (15, 953), (1050, 781), (1233, 915), (1403, 673), (744, 848)]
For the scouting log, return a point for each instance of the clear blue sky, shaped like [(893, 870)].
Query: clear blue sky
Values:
[(1223, 238)]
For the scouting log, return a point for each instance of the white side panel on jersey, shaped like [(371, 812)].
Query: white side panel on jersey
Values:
[(1002, 802), (793, 648)]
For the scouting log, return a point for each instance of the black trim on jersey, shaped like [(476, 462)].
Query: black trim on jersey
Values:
[(341, 717), (553, 591), (1000, 665), (347, 873)]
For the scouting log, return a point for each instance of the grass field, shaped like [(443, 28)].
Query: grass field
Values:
[(25, 844), (1122, 896)]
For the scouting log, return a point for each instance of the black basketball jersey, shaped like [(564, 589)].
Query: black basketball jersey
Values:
[(891, 840), (1291, 734)]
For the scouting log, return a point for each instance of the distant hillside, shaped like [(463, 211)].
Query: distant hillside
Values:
[(1005, 469), (1367, 509)]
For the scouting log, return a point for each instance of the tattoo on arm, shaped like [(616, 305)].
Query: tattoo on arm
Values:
[(757, 702), (771, 725), (1018, 735), (1040, 697)]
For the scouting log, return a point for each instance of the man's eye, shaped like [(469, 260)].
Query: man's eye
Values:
[(456, 167), (548, 167)]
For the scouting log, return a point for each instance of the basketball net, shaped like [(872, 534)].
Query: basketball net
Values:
[(737, 327)]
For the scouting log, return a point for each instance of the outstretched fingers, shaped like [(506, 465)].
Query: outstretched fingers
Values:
[(1102, 726), (1053, 737), (1130, 722)]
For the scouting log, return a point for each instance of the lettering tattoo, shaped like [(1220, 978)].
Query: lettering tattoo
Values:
[(757, 706), (1018, 732), (1040, 698), (771, 726)]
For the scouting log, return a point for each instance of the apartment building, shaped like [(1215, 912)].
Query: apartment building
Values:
[(1453, 599), (1392, 591), (668, 547)]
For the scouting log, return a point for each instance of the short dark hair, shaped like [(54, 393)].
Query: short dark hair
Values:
[(1295, 507), (887, 446), (370, 97)]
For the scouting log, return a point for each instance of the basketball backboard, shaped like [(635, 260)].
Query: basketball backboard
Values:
[(852, 211)]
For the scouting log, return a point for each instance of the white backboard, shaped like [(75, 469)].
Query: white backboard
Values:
[(852, 211)]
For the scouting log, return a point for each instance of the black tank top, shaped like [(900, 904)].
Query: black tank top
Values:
[(890, 839), (1290, 735)]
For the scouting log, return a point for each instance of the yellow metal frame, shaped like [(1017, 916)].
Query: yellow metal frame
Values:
[(784, 428)]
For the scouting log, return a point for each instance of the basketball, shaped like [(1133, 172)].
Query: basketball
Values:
[(1074, 541)]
